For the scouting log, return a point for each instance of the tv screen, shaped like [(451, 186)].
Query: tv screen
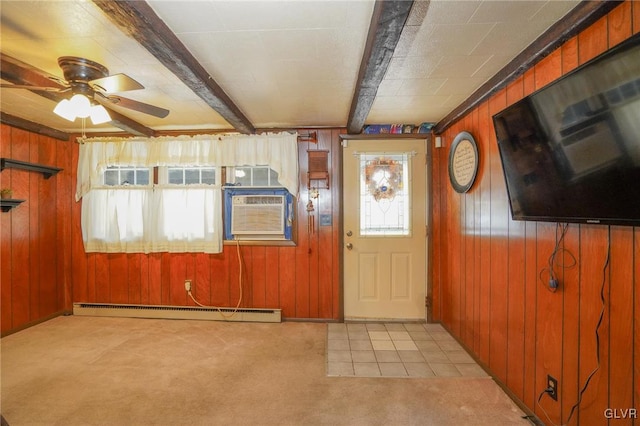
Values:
[(570, 152)]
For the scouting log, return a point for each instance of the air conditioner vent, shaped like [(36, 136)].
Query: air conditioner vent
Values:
[(258, 215), (257, 199)]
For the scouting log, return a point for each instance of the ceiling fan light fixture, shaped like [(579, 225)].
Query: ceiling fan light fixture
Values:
[(99, 115), (81, 105), (65, 110)]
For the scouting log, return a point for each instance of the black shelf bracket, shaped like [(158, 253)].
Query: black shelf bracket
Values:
[(47, 171), (7, 204)]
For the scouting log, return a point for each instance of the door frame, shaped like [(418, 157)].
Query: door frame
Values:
[(427, 137)]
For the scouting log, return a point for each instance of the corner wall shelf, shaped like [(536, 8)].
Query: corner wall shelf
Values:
[(47, 171), (7, 204)]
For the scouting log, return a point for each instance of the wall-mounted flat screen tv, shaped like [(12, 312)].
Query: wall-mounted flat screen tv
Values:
[(570, 152)]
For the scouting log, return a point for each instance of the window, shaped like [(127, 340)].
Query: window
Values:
[(191, 175), (257, 206), (164, 194), (177, 214), (253, 176), (187, 198), (384, 194), (124, 175)]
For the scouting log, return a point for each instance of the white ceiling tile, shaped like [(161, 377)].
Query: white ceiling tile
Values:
[(42, 19), (389, 87), (506, 37), (415, 110), (551, 11), (412, 67), (491, 67), (506, 11), (450, 12), (460, 86), (454, 39), (283, 62), (458, 66), (289, 44), (188, 16), (420, 87), (250, 15)]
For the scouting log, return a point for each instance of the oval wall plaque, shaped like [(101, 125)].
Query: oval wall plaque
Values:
[(463, 162)]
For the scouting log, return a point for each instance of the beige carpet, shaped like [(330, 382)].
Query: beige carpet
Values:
[(115, 371)]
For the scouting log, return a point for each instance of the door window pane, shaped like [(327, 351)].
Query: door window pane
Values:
[(384, 194)]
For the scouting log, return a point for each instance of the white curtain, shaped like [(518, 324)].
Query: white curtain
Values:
[(188, 220), (113, 220), (164, 217), (278, 150)]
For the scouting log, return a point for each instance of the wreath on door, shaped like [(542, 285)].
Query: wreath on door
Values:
[(383, 177)]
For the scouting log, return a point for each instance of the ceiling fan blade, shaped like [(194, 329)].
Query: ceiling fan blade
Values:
[(36, 88), (131, 104), (115, 83)]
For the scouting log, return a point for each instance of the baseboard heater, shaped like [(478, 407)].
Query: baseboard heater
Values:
[(177, 312)]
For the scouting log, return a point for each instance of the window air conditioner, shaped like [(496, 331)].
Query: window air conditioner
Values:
[(258, 216)]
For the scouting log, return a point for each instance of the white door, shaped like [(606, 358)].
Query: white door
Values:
[(384, 229)]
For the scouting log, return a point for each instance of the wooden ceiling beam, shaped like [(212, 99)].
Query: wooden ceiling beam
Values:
[(17, 72), (30, 126), (137, 19), (579, 18), (387, 22)]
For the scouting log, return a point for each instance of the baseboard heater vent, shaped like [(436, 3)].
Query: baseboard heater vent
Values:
[(177, 312)]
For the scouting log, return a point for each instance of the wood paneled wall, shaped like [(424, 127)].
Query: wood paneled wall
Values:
[(45, 268), (485, 270), (35, 261), (301, 280)]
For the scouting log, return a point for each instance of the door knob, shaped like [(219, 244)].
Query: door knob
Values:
[(349, 246), (349, 233)]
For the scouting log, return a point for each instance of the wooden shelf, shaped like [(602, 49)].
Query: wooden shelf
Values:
[(382, 136), (7, 204), (47, 171)]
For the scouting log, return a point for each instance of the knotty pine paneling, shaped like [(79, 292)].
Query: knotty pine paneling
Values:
[(521, 330), (6, 252), (34, 226), (621, 310), (570, 276), (434, 249), (44, 233), (36, 236), (303, 281), (20, 246)]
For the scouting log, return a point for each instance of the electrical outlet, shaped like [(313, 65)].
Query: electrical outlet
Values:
[(552, 386), (187, 285)]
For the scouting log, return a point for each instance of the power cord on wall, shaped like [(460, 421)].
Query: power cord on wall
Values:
[(557, 259), (239, 285), (600, 319)]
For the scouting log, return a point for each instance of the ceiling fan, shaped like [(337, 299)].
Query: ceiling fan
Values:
[(88, 81)]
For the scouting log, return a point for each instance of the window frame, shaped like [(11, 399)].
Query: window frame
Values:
[(230, 178), (120, 169), (163, 173)]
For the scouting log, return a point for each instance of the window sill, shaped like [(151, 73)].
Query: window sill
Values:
[(277, 243)]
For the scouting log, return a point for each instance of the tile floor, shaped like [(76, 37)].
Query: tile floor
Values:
[(396, 350)]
